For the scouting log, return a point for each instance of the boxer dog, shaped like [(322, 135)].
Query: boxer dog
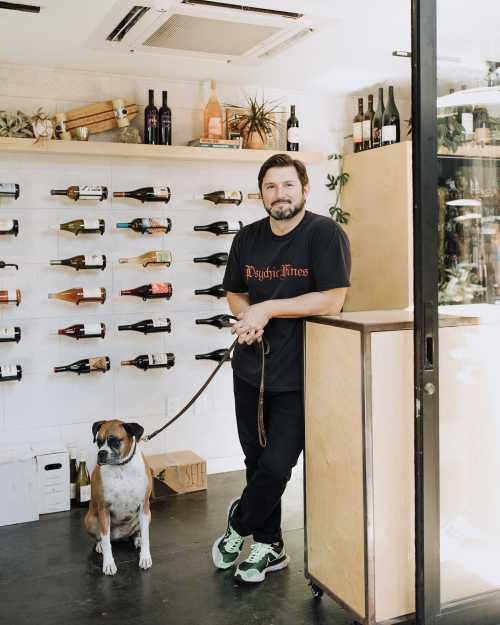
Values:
[(121, 486)]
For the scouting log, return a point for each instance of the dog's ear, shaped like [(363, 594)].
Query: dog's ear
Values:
[(134, 429), (95, 428)]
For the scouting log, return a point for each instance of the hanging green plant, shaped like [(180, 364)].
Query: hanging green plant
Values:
[(336, 183), (450, 134)]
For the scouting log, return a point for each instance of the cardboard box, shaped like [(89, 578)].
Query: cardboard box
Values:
[(18, 484), (180, 471)]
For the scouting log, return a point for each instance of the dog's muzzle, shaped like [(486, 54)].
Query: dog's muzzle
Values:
[(102, 457)]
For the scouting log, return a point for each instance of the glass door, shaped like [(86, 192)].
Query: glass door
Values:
[(456, 55)]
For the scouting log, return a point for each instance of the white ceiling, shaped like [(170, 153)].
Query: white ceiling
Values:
[(352, 54)]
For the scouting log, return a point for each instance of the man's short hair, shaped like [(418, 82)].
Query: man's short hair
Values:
[(284, 160)]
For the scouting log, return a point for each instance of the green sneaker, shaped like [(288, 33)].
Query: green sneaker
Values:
[(263, 559), (227, 548)]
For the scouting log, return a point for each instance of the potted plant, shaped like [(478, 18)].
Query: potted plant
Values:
[(257, 122), (15, 125)]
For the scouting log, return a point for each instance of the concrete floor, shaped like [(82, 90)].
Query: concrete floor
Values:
[(49, 574)]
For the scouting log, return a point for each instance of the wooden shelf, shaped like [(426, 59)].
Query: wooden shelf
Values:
[(130, 150), (473, 151)]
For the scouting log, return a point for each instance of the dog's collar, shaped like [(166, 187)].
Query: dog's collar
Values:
[(129, 457)]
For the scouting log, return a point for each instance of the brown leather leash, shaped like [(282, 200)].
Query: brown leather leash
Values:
[(260, 408)]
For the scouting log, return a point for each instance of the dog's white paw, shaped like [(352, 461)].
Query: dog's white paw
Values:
[(145, 561), (109, 567), (98, 547), (137, 541)]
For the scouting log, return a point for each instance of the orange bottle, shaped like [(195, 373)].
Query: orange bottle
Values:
[(213, 127)]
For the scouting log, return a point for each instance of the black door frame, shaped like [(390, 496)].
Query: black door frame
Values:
[(483, 609)]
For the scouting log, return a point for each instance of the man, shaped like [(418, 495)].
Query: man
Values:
[(282, 268)]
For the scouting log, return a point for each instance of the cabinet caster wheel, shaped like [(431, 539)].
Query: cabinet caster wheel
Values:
[(316, 592)]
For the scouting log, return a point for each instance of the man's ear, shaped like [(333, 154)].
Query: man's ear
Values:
[(134, 429), (95, 428)]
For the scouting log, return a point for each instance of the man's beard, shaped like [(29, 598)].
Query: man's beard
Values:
[(285, 211)]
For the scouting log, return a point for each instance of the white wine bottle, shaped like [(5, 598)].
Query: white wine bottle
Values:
[(10, 372), (83, 261), (82, 484), (154, 257), (83, 192), (83, 226)]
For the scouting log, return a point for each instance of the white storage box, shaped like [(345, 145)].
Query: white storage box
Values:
[(52, 460), (18, 484)]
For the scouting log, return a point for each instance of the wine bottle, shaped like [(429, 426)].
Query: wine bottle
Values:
[(148, 225), (147, 194), (377, 120), (367, 124), (84, 331), (482, 129), (82, 484), (212, 116), (467, 119), (83, 226), (292, 132), (10, 297), (9, 226), (9, 189), (216, 291), (218, 259), (254, 196), (3, 264), (357, 127), (217, 355), (10, 372), (148, 326), (151, 361), (83, 261), (390, 121), (156, 290), (10, 334), (218, 321), (73, 472), (221, 227), (154, 257), (83, 192), (222, 197), (165, 121), (86, 365), (77, 295), (151, 121)]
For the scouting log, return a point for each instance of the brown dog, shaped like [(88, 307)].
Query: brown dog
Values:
[(121, 486)]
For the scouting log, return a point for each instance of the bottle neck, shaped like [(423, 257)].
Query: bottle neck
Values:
[(292, 111), (123, 225), (164, 99), (58, 192), (390, 99), (360, 107), (370, 105), (151, 98), (126, 363)]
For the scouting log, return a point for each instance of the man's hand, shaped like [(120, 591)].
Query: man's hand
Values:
[(251, 323)]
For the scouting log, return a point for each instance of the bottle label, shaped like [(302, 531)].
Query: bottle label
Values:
[(8, 371), (91, 224), (157, 359), (85, 493), (163, 257), (293, 135), (7, 333), (357, 132), (157, 225), (92, 329), (7, 189), (91, 293), (215, 126), (94, 260), (376, 135), (6, 225), (72, 490), (88, 191), (367, 128), (161, 191), (468, 123), (160, 322), (12, 296), (389, 133), (233, 225), (160, 287), (98, 364)]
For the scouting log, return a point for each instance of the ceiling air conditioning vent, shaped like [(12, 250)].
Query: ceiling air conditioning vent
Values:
[(199, 34), (240, 7), (128, 22)]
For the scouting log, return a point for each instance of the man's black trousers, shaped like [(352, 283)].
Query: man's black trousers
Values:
[(269, 468)]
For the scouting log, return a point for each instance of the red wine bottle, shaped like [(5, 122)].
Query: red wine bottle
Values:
[(357, 127), (292, 132), (147, 194), (377, 120), (156, 290), (151, 121), (221, 227), (218, 321), (390, 121), (165, 121), (216, 291), (222, 197), (367, 124), (218, 259), (217, 355), (151, 361), (86, 365), (148, 326), (84, 331)]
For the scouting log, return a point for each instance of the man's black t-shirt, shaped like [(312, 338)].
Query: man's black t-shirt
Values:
[(314, 256)]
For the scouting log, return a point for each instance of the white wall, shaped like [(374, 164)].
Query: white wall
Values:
[(43, 404)]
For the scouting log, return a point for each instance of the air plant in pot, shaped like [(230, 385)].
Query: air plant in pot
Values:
[(257, 122)]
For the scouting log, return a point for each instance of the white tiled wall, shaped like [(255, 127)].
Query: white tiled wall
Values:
[(46, 404)]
